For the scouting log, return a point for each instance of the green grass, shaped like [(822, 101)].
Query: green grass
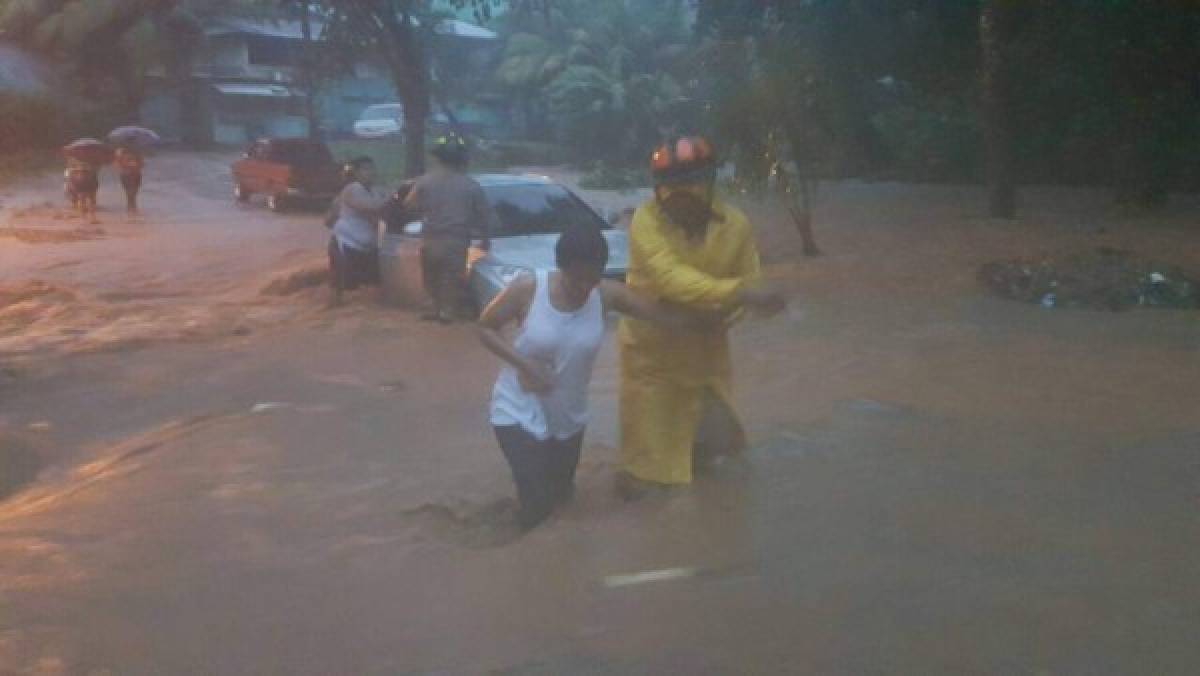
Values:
[(388, 154)]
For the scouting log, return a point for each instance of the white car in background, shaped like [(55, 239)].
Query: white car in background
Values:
[(387, 119), (378, 121)]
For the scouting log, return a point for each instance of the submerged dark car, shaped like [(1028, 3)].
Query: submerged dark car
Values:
[(531, 212)]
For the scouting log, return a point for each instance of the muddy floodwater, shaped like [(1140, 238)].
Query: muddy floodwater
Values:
[(941, 481)]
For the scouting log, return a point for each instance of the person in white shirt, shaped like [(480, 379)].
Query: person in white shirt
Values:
[(354, 246), (539, 406)]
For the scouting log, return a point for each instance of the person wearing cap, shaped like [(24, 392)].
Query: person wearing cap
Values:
[(453, 209), (690, 249)]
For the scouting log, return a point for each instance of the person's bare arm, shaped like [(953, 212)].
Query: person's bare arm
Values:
[(620, 298), (412, 201), (508, 307)]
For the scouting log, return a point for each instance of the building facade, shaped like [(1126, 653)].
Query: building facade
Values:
[(248, 83)]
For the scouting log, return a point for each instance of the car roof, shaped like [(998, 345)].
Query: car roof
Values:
[(291, 141), (507, 180)]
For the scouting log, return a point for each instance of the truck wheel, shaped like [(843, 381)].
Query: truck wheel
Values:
[(240, 193), (276, 203)]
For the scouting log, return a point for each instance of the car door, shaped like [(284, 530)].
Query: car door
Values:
[(256, 168)]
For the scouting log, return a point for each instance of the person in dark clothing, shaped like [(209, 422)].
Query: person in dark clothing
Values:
[(83, 184), (453, 209)]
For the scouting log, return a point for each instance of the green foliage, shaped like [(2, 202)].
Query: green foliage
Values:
[(33, 123), (597, 76), (602, 176), (502, 154), (1101, 92), (530, 62), (28, 123), (928, 140)]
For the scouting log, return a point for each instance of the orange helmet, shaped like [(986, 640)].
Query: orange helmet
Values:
[(689, 159)]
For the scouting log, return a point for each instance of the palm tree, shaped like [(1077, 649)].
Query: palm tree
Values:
[(995, 29), (529, 64)]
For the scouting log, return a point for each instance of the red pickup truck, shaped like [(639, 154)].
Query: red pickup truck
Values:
[(287, 171)]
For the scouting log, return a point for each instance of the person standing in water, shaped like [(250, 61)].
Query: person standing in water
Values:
[(539, 406), (83, 184), (354, 245), (453, 209), (130, 164), (688, 248)]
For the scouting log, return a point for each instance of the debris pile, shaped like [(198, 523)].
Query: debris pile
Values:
[(1104, 279)]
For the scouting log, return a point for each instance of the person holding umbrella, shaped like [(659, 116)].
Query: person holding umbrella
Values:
[(84, 159), (129, 164), (129, 161)]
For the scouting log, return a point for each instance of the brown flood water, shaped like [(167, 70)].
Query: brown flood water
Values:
[(941, 482)]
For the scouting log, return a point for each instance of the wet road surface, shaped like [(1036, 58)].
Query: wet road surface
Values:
[(941, 483)]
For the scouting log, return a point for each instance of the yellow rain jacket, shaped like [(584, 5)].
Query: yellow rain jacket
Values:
[(667, 375)]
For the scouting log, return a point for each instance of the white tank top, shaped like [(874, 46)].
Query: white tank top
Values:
[(567, 344)]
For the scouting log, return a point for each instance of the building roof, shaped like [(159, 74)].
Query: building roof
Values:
[(284, 28), (261, 90), (498, 180), (463, 29), (288, 29)]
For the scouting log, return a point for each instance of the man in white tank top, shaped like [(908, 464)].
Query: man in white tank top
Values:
[(539, 406)]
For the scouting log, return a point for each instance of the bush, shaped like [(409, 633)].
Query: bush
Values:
[(930, 143), (28, 123), (521, 153), (602, 176)]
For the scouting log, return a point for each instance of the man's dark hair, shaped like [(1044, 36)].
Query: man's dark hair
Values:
[(581, 244)]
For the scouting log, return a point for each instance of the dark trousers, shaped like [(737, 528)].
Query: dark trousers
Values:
[(544, 471), (132, 182), (443, 263), (83, 185), (350, 268)]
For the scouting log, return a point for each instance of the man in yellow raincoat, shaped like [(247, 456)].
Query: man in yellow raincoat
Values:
[(690, 249)]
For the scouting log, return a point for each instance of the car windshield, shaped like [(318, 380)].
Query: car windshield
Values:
[(387, 112), (302, 154), (536, 209)]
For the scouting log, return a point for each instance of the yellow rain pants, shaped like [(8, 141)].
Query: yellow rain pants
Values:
[(668, 376)]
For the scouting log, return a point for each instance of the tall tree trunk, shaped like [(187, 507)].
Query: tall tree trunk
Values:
[(307, 74), (410, 72), (415, 95), (995, 33)]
